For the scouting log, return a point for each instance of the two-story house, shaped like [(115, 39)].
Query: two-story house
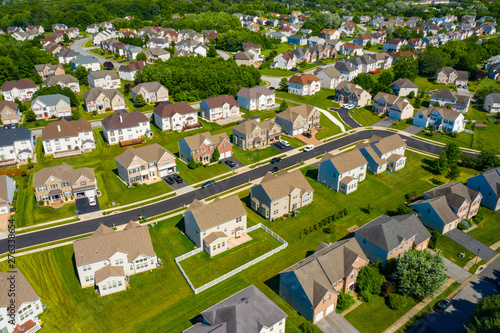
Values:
[(312, 286), (448, 75), (445, 206), (64, 55), (61, 184), (202, 146), (256, 98), (403, 87), (22, 90), (156, 54), (387, 237), (353, 94), (175, 117), (51, 106), (65, 81), (219, 107), (212, 226), (383, 153), (329, 34), (298, 119), (351, 49), (457, 102), (342, 172), (246, 311), (90, 63), (304, 85), (101, 100), (251, 134), (125, 127), (8, 188), (488, 184), (104, 79), (152, 92), (298, 39), (9, 113), (20, 313), (105, 259), (46, 70), (347, 70), (129, 71), (16, 146), (285, 60), (492, 102), (67, 138), (440, 118), (394, 106), (145, 165), (330, 77), (393, 45), (278, 195)]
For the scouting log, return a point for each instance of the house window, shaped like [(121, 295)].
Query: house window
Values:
[(89, 278), (223, 244), (351, 277), (83, 183), (326, 299), (215, 247), (119, 261), (238, 219), (53, 186), (276, 212), (87, 268), (64, 184), (42, 188), (141, 263)]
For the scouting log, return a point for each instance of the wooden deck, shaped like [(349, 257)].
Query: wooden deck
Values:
[(133, 142)]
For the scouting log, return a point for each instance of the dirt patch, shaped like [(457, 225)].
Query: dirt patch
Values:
[(4, 222)]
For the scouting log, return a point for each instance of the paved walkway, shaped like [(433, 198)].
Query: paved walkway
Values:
[(335, 323), (332, 118), (472, 244)]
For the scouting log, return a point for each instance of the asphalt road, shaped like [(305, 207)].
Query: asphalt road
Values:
[(75, 229), (452, 319), (78, 47)]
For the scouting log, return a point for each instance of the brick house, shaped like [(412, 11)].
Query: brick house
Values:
[(202, 146)]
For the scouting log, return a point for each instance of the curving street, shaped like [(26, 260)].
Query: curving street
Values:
[(78, 47)]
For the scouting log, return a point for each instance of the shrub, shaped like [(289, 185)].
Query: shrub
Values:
[(328, 230), (72, 197), (48, 203), (307, 327), (65, 198), (344, 302), (94, 113), (479, 216), (396, 301), (370, 280), (23, 173), (386, 289), (135, 184), (390, 266), (40, 203), (464, 225), (433, 243), (365, 296)]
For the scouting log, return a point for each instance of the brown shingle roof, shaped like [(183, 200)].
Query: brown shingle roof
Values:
[(216, 102), (21, 84), (169, 110), (304, 79), (195, 141), (63, 172), (255, 92), (24, 292), (149, 153), (64, 128), (133, 66), (149, 86), (107, 272), (217, 212), (292, 112), (388, 143), (282, 184), (123, 120)]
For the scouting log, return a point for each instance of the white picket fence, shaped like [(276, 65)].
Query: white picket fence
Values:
[(235, 271), (468, 131)]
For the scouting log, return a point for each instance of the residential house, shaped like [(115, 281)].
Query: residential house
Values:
[(123, 127), (384, 153), (421, 31), (489, 28), (494, 70), (457, 102), (90, 63), (253, 48), (315, 41), (22, 90), (388, 237), (347, 70), (101, 100), (245, 58), (362, 40), (448, 75), (488, 184), (313, 285), (46, 70), (351, 49), (393, 45), (431, 40), (67, 138), (322, 52), (187, 45), (365, 63), (298, 39), (351, 93), (304, 85), (342, 172), (348, 28), (212, 226), (403, 87), (278, 195), (156, 53), (158, 42), (128, 72), (131, 52), (20, 306), (51, 106), (145, 165), (440, 118), (384, 60), (16, 146), (104, 79), (7, 189), (278, 35), (251, 134), (9, 113), (65, 81), (377, 38), (152, 92), (175, 117), (394, 106), (201, 147), (491, 103), (59, 26), (330, 77), (417, 43), (246, 311), (200, 50), (61, 184), (219, 107), (302, 54), (108, 257), (445, 206), (101, 36), (298, 119), (256, 98)]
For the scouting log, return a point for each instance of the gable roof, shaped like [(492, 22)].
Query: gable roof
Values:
[(217, 212), (93, 93), (64, 78), (149, 153), (347, 161), (148, 86), (123, 120), (102, 74), (388, 143), (247, 126), (132, 67), (441, 207), (169, 110), (444, 94), (255, 92), (20, 84), (404, 83), (9, 136), (492, 177), (330, 71), (8, 104), (218, 101), (282, 184), (195, 141), (63, 128), (455, 193), (24, 292), (292, 112), (63, 172), (303, 79), (244, 56), (51, 100)]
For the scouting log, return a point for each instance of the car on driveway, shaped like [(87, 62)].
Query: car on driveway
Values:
[(178, 179), (92, 201), (442, 305), (230, 163), (275, 160), (307, 135), (169, 180), (280, 145), (285, 143), (309, 148), (208, 184), (274, 169)]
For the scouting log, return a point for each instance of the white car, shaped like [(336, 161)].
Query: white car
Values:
[(309, 148), (350, 106), (92, 201), (286, 143)]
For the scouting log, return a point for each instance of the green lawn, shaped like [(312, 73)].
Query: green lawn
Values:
[(328, 128), (308, 66), (88, 43), (294, 142), (282, 47), (251, 156), (425, 84), (276, 72), (452, 249), (322, 99), (488, 230), (202, 269), (402, 124), (193, 176), (380, 315), (472, 86), (365, 116), (264, 114)]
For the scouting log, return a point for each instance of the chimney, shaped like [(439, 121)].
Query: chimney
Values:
[(121, 120), (58, 128)]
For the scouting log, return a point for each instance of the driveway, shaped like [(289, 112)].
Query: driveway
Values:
[(413, 129), (471, 244), (83, 207), (312, 140), (386, 122), (346, 117), (228, 120), (176, 186), (454, 271), (335, 323), (285, 149), (237, 163)]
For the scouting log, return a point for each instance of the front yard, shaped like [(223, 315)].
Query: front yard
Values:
[(488, 230), (328, 128), (452, 249), (365, 116), (251, 156)]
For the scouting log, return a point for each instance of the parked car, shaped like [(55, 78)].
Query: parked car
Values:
[(442, 305), (350, 106), (309, 148), (230, 163), (280, 145), (274, 169), (286, 143), (275, 160), (307, 135), (178, 179), (208, 184), (92, 201), (169, 180)]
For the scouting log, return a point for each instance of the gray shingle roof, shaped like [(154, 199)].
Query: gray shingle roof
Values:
[(492, 177), (51, 100), (24, 292), (347, 161), (255, 92), (102, 74), (9, 136), (64, 78)]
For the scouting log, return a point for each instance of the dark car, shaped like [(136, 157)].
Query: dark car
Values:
[(274, 169), (307, 135), (170, 180), (280, 145), (271, 88), (275, 160), (230, 163), (208, 184), (442, 305), (295, 70), (178, 179)]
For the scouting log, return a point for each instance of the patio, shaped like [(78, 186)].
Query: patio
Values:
[(231, 243)]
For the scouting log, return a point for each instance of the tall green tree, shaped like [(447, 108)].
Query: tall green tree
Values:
[(216, 154), (453, 153), (212, 52), (453, 172), (81, 74), (486, 316), (441, 164), (284, 84), (141, 56), (406, 67), (139, 101), (283, 106)]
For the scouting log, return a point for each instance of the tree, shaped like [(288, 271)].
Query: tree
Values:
[(192, 163), (434, 241), (66, 38), (441, 164), (81, 74), (307, 327), (216, 155), (344, 302), (126, 89), (370, 280), (411, 94), (284, 84), (146, 39), (212, 52), (453, 172), (420, 274), (22, 108), (139, 101), (30, 116), (481, 94), (141, 56), (108, 65), (406, 67), (418, 103), (488, 160), (369, 44), (283, 106), (453, 153), (486, 316), (403, 210)]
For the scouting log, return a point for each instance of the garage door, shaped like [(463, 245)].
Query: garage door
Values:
[(163, 172), (295, 132), (67, 114), (89, 193), (319, 316), (228, 154), (330, 308), (301, 130)]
